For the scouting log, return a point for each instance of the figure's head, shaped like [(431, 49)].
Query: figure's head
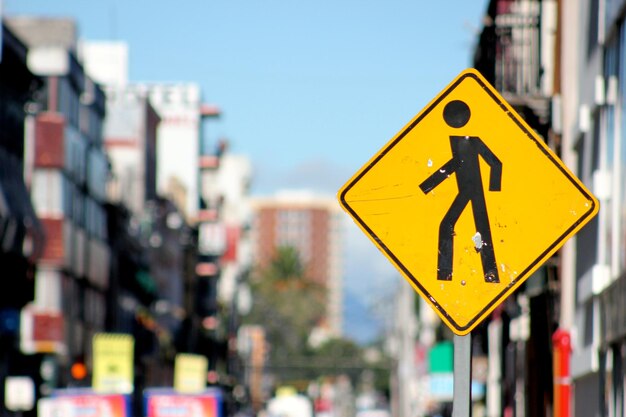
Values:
[(456, 113)]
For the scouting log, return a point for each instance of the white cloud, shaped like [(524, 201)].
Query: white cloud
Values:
[(318, 175)]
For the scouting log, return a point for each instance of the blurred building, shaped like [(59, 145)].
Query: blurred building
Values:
[(233, 183), (518, 53), (130, 139), (224, 245), (140, 142), (106, 61), (593, 309), (67, 169), (181, 139), (556, 346), (160, 265), (151, 268), (180, 142), (182, 153), (181, 187), (22, 236), (312, 225), (562, 64)]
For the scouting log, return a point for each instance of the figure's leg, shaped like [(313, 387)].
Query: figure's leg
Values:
[(487, 253), (446, 238)]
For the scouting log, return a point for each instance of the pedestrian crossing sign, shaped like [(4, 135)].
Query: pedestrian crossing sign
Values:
[(467, 201)]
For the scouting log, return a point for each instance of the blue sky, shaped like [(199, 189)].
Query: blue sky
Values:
[(310, 90)]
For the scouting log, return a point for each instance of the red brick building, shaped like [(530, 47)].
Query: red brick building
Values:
[(312, 225)]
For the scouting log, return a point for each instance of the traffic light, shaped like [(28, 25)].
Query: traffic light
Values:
[(78, 370)]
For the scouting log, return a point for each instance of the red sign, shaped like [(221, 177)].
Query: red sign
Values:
[(85, 403), (182, 405), (47, 327)]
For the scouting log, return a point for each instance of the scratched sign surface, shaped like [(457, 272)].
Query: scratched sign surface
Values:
[(466, 201)]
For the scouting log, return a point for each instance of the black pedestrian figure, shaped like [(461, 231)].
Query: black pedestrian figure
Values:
[(465, 163)]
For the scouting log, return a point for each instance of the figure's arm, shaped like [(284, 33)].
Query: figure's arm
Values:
[(438, 176), (495, 176)]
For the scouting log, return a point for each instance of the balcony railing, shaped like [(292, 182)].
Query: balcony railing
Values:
[(518, 49)]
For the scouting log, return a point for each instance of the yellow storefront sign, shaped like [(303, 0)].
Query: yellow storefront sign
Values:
[(190, 373), (466, 201), (113, 363)]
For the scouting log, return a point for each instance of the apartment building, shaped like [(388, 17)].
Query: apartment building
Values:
[(312, 225)]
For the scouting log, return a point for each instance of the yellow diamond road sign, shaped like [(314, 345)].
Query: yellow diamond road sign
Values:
[(466, 201)]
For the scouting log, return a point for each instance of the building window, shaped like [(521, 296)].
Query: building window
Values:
[(587, 246), (589, 323), (593, 27), (69, 103), (608, 143), (47, 192), (293, 228), (620, 148)]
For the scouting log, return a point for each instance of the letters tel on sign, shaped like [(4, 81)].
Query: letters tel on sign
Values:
[(466, 201)]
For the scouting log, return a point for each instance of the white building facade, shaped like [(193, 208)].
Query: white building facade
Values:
[(594, 139)]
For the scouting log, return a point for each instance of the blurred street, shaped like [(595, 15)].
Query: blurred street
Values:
[(311, 216)]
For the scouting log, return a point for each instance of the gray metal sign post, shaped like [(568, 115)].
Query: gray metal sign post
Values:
[(462, 376)]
